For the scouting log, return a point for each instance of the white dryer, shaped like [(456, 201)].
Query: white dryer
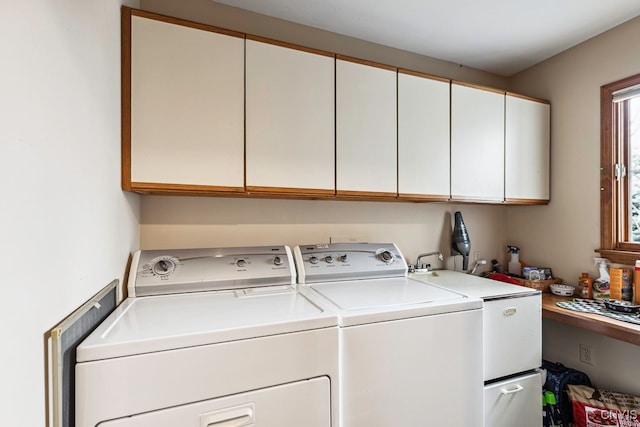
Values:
[(211, 337), (410, 352)]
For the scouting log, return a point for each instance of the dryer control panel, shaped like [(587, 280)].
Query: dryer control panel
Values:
[(327, 262), (158, 272)]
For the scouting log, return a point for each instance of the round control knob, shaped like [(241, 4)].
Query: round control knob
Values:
[(313, 260), (241, 263), (163, 267), (277, 260), (344, 258), (386, 256), (329, 259)]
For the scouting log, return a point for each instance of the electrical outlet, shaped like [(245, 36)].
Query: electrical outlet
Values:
[(586, 354), (476, 255)]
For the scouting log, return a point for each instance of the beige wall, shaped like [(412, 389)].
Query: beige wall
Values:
[(66, 228), (201, 222), (185, 221), (565, 233)]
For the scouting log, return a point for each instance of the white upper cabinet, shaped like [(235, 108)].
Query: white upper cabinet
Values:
[(423, 137), (527, 150), (366, 129), (290, 120), (477, 144), (187, 107), (314, 125)]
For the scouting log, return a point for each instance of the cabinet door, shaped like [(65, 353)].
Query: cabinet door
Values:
[(514, 402), (290, 120), (187, 107), (423, 137), (526, 150), (477, 144), (512, 336), (418, 372), (366, 130)]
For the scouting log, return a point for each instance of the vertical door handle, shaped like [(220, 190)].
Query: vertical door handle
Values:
[(229, 417)]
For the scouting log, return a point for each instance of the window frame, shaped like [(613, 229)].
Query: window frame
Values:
[(614, 193)]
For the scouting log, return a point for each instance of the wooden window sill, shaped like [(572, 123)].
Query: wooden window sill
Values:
[(597, 323)]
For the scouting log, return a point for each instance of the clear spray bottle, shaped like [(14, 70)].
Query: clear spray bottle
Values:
[(514, 263), (601, 288)]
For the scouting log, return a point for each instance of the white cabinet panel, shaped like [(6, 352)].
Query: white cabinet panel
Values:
[(366, 128), (512, 335), (187, 105), (423, 136), (514, 402), (290, 118), (307, 405), (422, 371), (527, 149), (477, 144)]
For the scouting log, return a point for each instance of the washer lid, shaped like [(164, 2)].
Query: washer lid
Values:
[(366, 301), (166, 322)]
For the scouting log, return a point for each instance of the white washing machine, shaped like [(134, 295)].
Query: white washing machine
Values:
[(410, 352), (207, 338)]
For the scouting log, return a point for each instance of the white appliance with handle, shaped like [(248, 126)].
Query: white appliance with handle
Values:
[(512, 346), (410, 352), (207, 338)]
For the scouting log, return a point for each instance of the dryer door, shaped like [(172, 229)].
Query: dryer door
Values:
[(307, 404)]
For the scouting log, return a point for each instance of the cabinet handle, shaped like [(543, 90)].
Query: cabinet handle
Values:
[(513, 390), (229, 417)]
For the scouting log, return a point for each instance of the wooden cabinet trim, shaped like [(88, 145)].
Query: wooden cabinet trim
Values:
[(367, 195), (476, 86), (365, 62), (290, 46), (312, 192), (529, 98), (184, 22), (125, 97), (163, 188), (510, 201), (422, 197), (423, 75)]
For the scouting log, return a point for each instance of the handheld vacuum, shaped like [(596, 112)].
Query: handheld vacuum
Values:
[(460, 242)]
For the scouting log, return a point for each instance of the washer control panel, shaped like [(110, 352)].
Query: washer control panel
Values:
[(157, 272), (327, 262)]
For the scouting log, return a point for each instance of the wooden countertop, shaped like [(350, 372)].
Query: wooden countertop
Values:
[(597, 323)]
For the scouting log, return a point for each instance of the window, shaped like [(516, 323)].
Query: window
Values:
[(620, 171)]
